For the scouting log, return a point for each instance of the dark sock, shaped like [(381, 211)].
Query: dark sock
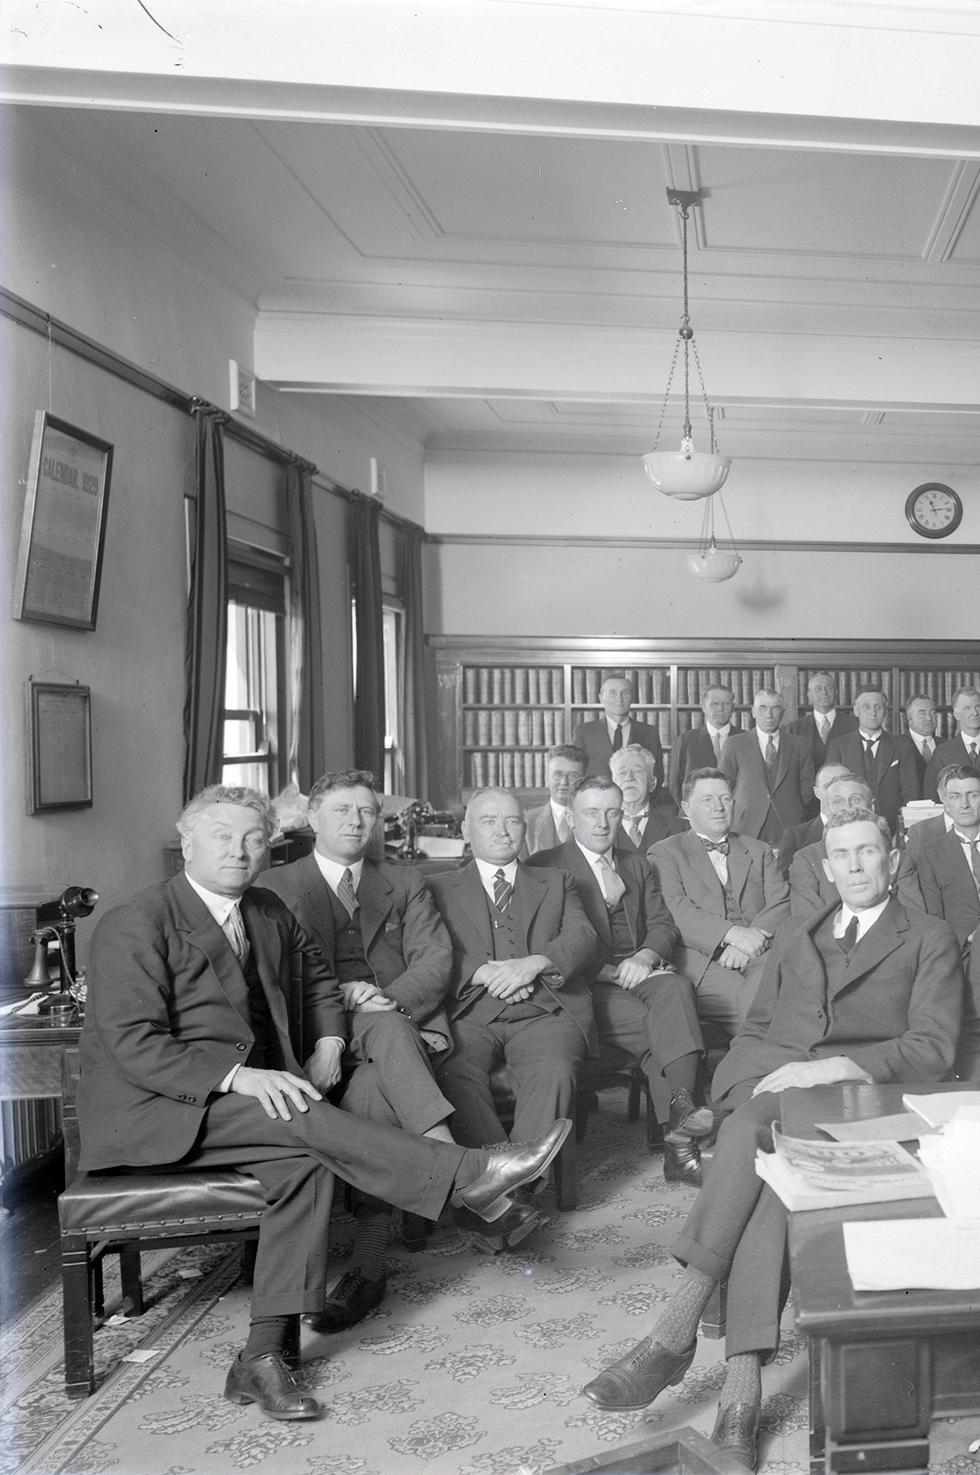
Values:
[(371, 1245), (267, 1334), (472, 1165), (683, 1072)]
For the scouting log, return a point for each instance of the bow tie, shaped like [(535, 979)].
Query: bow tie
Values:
[(719, 845)]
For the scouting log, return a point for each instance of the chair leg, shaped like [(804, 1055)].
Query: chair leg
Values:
[(566, 1175), (655, 1129), (249, 1251), (415, 1232), (714, 1314), (132, 1280), (637, 1084), (98, 1287), (76, 1280)]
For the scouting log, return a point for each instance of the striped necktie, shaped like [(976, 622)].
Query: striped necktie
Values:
[(502, 891), (345, 892)]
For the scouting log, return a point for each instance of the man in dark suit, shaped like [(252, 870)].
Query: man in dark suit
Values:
[(548, 824), (212, 1028), (920, 718), (642, 1006), (770, 771), (824, 721), (649, 813), (811, 830), (702, 747), (964, 748), (726, 895), (864, 991), (616, 729), (381, 936), (521, 946), (885, 761), (810, 888)]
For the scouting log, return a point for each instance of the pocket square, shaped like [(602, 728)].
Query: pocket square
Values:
[(893, 763)]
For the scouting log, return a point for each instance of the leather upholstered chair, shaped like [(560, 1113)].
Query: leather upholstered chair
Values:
[(122, 1212)]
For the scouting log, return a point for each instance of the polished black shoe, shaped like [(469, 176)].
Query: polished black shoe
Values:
[(511, 1166), (348, 1303), (687, 1120), (636, 1379), (268, 1382), (682, 1164), (736, 1434), (521, 1219)]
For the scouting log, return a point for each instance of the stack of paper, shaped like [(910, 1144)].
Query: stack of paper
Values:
[(952, 1161), (912, 1254), (828, 1175)]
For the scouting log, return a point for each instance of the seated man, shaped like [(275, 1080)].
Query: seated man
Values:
[(205, 996), (641, 1005), (381, 936), (725, 894), (865, 991), (649, 813), (547, 825), (810, 888), (521, 944)]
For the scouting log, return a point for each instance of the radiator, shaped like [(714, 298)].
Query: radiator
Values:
[(27, 1129)]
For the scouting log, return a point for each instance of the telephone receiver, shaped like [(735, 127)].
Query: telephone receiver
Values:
[(56, 924)]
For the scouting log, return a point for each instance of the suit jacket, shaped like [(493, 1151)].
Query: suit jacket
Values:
[(650, 923), (759, 809), (947, 885), (795, 839), (894, 781), (163, 1025), (952, 752), (920, 765), (405, 941), (594, 738), (693, 750), (696, 900), (926, 829), (809, 889), (806, 728), (896, 1014), (541, 832), (662, 820), (552, 923)]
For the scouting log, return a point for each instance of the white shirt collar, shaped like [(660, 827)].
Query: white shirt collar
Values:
[(625, 725), (819, 717), (595, 859), (719, 731), (332, 871), (865, 919), (558, 812), (488, 870), (764, 738), (220, 907), (871, 737)]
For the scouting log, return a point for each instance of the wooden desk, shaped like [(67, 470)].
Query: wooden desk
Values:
[(882, 1363), (30, 1056)]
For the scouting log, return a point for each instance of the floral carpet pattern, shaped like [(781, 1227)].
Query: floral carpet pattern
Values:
[(472, 1365)]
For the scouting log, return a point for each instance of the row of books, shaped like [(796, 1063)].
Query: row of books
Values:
[(519, 686), (939, 685), (513, 728), (849, 684), (509, 770)]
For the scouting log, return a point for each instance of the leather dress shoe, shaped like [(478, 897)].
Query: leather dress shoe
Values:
[(510, 1166), (636, 1379), (682, 1164), (687, 1120), (268, 1382), (348, 1303), (521, 1219), (736, 1433)]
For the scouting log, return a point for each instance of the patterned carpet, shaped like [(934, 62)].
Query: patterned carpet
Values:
[(472, 1365)]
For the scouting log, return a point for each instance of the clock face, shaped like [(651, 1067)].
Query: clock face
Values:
[(933, 510)]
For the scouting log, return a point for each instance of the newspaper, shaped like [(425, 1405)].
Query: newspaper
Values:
[(827, 1175)]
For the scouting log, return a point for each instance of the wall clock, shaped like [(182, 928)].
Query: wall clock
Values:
[(933, 510)]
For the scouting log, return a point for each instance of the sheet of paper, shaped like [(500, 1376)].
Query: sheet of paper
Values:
[(938, 1106), (142, 1356), (904, 1126), (912, 1254)]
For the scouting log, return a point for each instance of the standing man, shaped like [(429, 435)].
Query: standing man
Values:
[(965, 747), (702, 747), (616, 729), (649, 813), (521, 947), (726, 895), (920, 714), (864, 991), (382, 938), (810, 887), (548, 825), (206, 996), (885, 761), (824, 721), (641, 1005), (770, 771), (811, 830)]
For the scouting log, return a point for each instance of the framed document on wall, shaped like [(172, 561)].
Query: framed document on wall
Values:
[(59, 746), (60, 562)]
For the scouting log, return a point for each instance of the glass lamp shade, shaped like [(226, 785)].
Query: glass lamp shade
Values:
[(714, 564), (686, 474)]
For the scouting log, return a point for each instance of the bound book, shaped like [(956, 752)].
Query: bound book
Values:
[(834, 1175)]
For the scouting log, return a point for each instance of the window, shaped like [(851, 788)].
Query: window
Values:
[(255, 746), (394, 781)]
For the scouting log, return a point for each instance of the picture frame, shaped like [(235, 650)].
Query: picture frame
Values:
[(59, 565), (59, 746)]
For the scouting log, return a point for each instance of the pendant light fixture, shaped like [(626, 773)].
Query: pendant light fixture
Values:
[(712, 562)]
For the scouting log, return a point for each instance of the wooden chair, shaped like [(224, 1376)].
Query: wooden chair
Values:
[(123, 1213)]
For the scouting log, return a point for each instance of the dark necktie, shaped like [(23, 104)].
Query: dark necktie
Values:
[(345, 893), (720, 845), (870, 757), (928, 747), (848, 942), (971, 748), (617, 739), (770, 755), (502, 891), (974, 857)]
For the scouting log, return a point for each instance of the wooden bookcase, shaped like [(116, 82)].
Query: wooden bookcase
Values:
[(502, 703)]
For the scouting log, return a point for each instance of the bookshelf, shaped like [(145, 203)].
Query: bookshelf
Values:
[(501, 704)]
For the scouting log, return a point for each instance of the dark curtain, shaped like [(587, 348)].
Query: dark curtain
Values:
[(207, 610), (365, 562), (414, 738), (307, 758)]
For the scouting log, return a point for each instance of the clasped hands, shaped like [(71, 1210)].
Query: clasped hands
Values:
[(742, 944), (630, 972), (279, 1092), (511, 979)]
